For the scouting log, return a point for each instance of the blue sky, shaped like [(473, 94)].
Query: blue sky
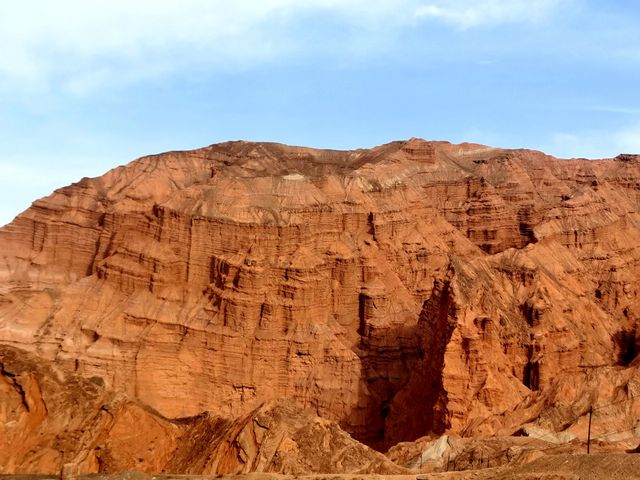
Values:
[(86, 86)]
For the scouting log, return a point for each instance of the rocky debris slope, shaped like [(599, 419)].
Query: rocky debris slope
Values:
[(413, 288), (556, 467), (279, 437), (49, 419)]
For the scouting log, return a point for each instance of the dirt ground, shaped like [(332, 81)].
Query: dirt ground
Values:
[(549, 467)]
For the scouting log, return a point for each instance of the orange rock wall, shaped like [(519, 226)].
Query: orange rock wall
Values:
[(414, 287)]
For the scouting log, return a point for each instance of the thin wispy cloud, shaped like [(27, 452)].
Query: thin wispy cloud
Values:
[(81, 46), (15, 172), (468, 14), (24, 179), (596, 143), (615, 109)]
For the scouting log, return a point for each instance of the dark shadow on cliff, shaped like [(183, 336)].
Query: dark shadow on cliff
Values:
[(627, 345), (401, 391)]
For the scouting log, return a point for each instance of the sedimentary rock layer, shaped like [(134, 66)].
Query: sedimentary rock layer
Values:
[(50, 421), (411, 288)]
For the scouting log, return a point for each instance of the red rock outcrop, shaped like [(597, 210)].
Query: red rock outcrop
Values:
[(50, 420), (411, 288)]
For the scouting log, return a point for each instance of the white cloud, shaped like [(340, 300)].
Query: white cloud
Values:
[(26, 178), (465, 14), (628, 140), (623, 110), (596, 143), (82, 45), (20, 184), (11, 174)]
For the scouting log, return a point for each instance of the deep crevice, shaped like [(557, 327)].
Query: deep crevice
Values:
[(627, 345), (14, 382)]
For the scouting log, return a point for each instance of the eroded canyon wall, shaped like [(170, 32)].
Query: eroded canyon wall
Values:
[(411, 288)]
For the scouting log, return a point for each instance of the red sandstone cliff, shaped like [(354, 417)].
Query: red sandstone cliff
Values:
[(50, 421), (412, 288)]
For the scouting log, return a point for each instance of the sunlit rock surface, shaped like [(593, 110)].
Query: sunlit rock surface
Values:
[(410, 289)]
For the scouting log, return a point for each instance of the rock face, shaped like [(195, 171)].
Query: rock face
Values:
[(413, 288), (50, 421)]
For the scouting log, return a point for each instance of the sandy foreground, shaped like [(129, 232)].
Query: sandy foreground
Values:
[(550, 467)]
